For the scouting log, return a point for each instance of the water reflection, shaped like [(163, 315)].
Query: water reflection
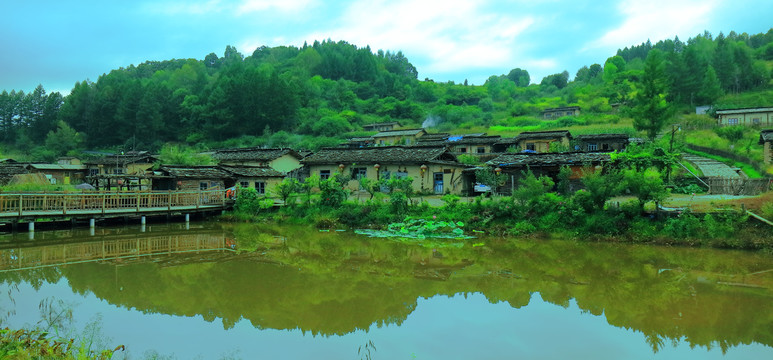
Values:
[(337, 283)]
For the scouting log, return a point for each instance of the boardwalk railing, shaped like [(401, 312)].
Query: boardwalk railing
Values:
[(37, 204)]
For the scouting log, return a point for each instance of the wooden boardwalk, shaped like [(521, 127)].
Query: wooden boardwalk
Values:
[(16, 207)]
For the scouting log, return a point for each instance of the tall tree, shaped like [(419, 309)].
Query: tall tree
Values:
[(651, 110)]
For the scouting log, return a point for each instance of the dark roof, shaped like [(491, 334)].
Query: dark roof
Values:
[(474, 140), (393, 123), (253, 171), (13, 169), (744, 110), (381, 154), (195, 172), (435, 136), (562, 108), (602, 137), (766, 135), (253, 154), (122, 159), (538, 159), (402, 132), (543, 135)]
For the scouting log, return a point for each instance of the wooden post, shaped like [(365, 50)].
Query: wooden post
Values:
[(21, 201), (104, 200), (64, 204), (138, 202), (169, 204)]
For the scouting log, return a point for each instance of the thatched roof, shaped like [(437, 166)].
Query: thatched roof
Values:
[(549, 159), (255, 154), (381, 155), (252, 171), (766, 136)]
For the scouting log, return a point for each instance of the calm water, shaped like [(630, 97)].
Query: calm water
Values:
[(213, 291)]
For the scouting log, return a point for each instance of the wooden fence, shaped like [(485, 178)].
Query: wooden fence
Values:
[(738, 186), (37, 204)]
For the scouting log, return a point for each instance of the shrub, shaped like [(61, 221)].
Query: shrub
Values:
[(250, 202)]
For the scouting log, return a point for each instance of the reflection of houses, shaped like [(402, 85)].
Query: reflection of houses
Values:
[(766, 140), (284, 160), (554, 113), (383, 126), (260, 178), (747, 117), (398, 137), (183, 177), (601, 142), (548, 164), (536, 141), (433, 169)]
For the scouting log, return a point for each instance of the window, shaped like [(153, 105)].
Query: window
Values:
[(480, 150), (732, 121), (593, 147), (530, 146), (324, 174), (260, 187), (569, 113), (548, 115), (203, 185), (118, 171), (93, 172), (359, 172), (462, 149), (244, 184), (604, 146), (756, 121)]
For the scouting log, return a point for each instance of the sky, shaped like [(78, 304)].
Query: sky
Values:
[(58, 43)]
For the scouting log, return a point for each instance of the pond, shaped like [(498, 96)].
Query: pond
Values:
[(229, 291)]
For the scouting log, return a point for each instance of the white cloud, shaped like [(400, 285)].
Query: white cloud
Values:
[(656, 20), (286, 6), (184, 8)]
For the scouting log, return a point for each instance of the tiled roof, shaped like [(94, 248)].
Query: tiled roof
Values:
[(403, 132), (602, 137), (474, 140), (252, 154), (574, 158), (195, 172), (380, 154), (543, 135), (122, 160), (562, 108), (744, 110), (252, 171)]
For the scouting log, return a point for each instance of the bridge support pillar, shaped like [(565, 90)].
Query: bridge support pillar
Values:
[(142, 220), (92, 223), (31, 226), (187, 217)]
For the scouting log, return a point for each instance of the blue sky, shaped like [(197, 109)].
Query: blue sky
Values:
[(57, 43)]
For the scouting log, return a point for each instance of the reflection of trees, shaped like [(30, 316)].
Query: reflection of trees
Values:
[(334, 283)]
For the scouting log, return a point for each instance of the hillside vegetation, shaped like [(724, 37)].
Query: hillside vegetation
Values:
[(318, 94)]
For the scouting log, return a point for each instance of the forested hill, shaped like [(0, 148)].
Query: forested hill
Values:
[(314, 95)]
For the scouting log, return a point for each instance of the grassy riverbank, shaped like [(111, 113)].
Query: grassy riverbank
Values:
[(535, 210)]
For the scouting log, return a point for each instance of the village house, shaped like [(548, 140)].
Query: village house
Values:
[(433, 169), (382, 126), (398, 137), (555, 113), (747, 117), (58, 174), (600, 142), (191, 178), (766, 140), (536, 141), (118, 170), (280, 159), (547, 164), (9, 169), (262, 179)]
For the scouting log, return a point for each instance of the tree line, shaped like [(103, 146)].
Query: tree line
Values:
[(314, 95)]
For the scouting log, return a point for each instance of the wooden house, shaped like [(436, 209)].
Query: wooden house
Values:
[(280, 159), (128, 170), (433, 169), (536, 141), (548, 164), (59, 174), (184, 177), (261, 178), (760, 116), (382, 126), (766, 140), (398, 137), (600, 142), (555, 113)]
